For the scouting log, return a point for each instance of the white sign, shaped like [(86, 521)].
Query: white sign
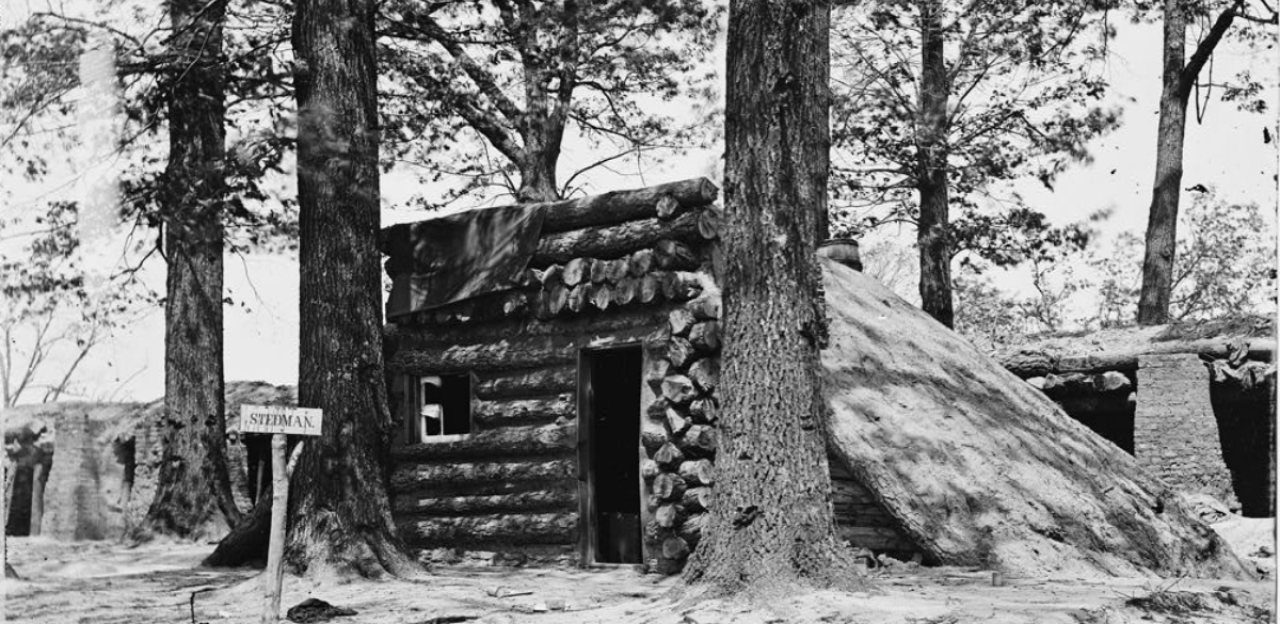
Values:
[(280, 419)]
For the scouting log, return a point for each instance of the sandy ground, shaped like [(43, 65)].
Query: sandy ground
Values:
[(104, 583)]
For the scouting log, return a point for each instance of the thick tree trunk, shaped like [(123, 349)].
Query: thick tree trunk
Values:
[(193, 484), (933, 229), (538, 172), (771, 524), (341, 514), (1162, 219)]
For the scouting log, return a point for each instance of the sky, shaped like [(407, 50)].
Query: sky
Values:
[(261, 336)]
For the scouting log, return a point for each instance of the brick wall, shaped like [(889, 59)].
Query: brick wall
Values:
[(1175, 431), (74, 501)]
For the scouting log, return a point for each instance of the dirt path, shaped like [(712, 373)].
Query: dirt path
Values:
[(100, 583)]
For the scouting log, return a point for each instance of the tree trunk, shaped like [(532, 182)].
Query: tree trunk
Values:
[(1162, 220), (341, 514), (772, 523), (933, 229), (193, 484), (538, 171)]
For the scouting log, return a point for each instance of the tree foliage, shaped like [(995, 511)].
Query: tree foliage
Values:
[(999, 90), (1225, 265), (488, 91), (50, 317)]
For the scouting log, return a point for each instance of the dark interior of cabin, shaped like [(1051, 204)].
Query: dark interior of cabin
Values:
[(614, 411)]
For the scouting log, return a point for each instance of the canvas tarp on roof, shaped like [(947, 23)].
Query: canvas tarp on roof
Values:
[(979, 467), (460, 256)]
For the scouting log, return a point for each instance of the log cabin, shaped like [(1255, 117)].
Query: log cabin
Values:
[(555, 373), (562, 406)]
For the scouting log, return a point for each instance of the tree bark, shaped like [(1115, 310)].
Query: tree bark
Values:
[(193, 484), (341, 516), (933, 230), (772, 524), (1177, 78)]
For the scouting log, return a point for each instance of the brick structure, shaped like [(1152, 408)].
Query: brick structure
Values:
[(74, 499), (1176, 434)]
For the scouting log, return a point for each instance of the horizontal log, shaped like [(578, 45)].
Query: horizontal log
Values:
[(613, 241), (667, 207), (551, 276), (875, 538), (699, 441), (489, 307), (532, 501), (629, 205), (705, 374), (495, 443), (600, 296), (650, 289), (681, 321), (409, 477), (626, 290), (577, 271), (545, 528), (398, 242), (675, 548), (691, 529), (518, 351), (678, 390), (640, 263), (673, 255), (706, 306), (668, 487), (677, 422), (709, 223), (667, 516), (487, 488), (681, 285), (698, 472), (527, 383), (402, 337), (508, 412), (669, 456), (1034, 363), (705, 336), (697, 499), (704, 411)]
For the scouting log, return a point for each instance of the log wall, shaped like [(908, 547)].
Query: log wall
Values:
[(510, 491)]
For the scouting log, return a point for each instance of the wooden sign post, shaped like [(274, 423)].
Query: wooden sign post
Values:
[(278, 421)]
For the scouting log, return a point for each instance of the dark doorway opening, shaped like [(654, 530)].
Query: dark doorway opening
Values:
[(610, 384), (1246, 430)]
